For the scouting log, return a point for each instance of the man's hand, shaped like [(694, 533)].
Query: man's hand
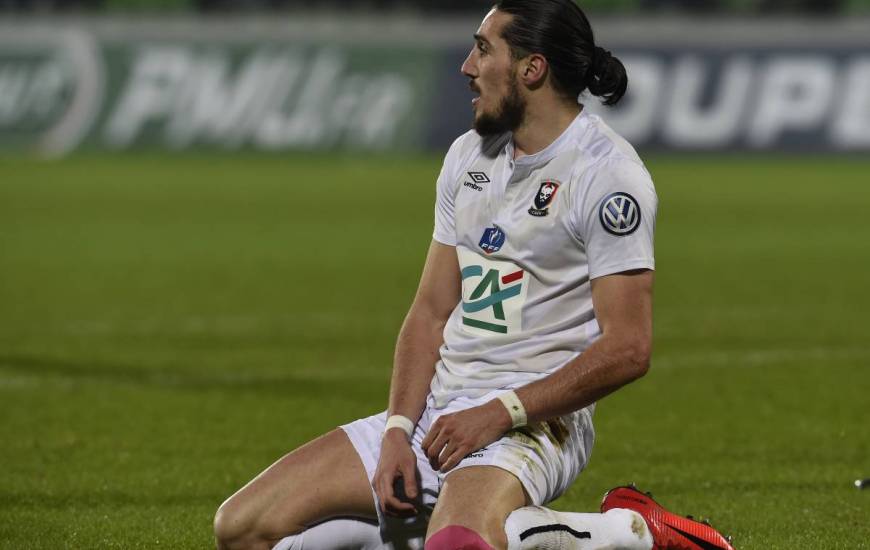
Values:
[(397, 461), (455, 435)]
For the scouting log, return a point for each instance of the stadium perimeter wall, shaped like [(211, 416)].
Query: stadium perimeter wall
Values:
[(286, 83)]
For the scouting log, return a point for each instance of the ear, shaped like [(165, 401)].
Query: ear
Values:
[(533, 70)]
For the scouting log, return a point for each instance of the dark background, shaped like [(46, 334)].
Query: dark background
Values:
[(832, 7)]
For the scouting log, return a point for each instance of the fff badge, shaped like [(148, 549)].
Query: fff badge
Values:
[(492, 240)]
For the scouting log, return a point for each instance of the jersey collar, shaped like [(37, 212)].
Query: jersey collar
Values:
[(550, 151)]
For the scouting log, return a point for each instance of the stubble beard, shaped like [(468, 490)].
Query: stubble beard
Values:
[(507, 118)]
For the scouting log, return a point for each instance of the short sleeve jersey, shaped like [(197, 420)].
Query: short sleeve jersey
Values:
[(530, 234)]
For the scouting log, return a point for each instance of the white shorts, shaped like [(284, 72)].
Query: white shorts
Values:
[(545, 456)]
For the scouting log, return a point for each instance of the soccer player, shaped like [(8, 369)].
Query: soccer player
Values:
[(535, 302)]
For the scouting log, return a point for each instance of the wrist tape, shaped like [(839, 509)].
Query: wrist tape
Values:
[(402, 422), (515, 408)]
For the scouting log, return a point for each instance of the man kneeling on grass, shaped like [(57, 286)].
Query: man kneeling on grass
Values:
[(535, 302)]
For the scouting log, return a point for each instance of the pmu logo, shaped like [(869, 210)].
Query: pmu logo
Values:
[(619, 214), (52, 87), (493, 294)]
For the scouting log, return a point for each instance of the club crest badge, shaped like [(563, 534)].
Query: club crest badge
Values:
[(492, 240), (544, 198)]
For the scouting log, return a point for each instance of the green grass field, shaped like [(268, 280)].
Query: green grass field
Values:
[(171, 325)]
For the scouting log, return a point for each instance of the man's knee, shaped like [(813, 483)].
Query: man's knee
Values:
[(242, 523), (456, 537), (234, 527), (230, 526)]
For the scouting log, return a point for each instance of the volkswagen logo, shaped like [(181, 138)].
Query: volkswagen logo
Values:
[(619, 214)]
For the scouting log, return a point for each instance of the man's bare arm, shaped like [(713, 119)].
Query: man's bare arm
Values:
[(422, 331), (623, 308), (414, 365)]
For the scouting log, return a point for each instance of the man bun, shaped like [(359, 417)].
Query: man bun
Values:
[(607, 77), (560, 31)]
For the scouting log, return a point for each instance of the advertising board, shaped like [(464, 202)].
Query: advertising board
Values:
[(78, 86)]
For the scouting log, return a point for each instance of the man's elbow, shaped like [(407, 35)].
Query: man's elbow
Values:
[(637, 357), (426, 316)]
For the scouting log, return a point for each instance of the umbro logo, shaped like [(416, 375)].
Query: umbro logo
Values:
[(476, 179)]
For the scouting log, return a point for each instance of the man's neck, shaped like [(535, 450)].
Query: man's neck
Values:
[(542, 126)]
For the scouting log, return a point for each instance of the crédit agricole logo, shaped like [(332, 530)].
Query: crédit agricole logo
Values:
[(493, 294)]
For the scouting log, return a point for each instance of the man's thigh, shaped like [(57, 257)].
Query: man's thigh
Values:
[(322, 479), (479, 498)]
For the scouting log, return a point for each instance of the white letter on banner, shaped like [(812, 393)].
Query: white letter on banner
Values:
[(387, 100), (47, 88), (305, 126), (687, 123), (13, 92), (851, 128), (267, 81), (150, 93), (216, 106), (795, 94), (634, 117), (201, 103)]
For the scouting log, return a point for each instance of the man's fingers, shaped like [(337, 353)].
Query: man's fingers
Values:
[(388, 500), (394, 506), (449, 450), (435, 448), (382, 495), (441, 450), (453, 459), (434, 429), (385, 489), (409, 477)]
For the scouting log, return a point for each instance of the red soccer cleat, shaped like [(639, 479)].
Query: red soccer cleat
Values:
[(669, 531)]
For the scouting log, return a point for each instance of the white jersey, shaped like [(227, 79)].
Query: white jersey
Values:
[(530, 234)]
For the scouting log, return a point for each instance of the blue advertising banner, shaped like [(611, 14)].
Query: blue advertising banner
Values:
[(713, 99)]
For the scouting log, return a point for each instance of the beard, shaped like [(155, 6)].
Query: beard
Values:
[(507, 118)]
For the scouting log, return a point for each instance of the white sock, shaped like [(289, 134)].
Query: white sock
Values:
[(539, 528), (335, 534), (345, 534)]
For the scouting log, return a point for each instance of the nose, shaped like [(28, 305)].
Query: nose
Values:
[(468, 67)]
